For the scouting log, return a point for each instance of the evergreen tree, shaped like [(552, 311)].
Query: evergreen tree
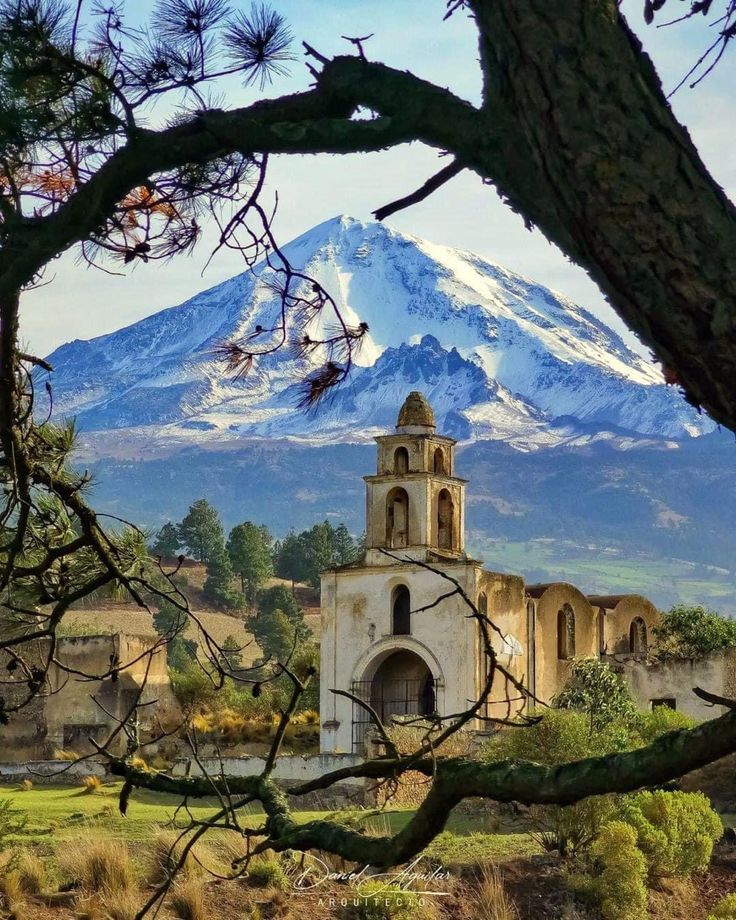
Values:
[(280, 598), (275, 634), (249, 548), (232, 657), (344, 547), (319, 551), (201, 530), (218, 584), (290, 561), (169, 621), (166, 541)]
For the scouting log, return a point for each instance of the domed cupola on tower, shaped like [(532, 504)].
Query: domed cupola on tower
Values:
[(415, 505), (416, 415)]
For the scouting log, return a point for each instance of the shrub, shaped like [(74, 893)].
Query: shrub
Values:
[(489, 900), (561, 736), (596, 690), (267, 873), (675, 831), (100, 865), (91, 784), (725, 909), (187, 900), (123, 906), (662, 719), (693, 632), (619, 888), (164, 855)]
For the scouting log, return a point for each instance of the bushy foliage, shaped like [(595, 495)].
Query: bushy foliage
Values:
[(660, 721), (559, 737), (675, 831), (267, 873), (619, 887), (595, 689), (693, 632), (725, 909)]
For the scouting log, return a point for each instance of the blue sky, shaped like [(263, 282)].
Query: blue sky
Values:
[(81, 303)]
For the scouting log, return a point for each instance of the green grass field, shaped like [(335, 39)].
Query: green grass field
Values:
[(59, 813)]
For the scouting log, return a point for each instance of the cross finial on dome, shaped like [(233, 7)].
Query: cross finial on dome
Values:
[(416, 413)]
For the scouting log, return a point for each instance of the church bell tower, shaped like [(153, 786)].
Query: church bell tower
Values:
[(415, 505)]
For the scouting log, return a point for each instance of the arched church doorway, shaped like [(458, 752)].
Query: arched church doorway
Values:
[(401, 685)]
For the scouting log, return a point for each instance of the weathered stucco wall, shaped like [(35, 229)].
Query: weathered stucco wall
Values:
[(357, 637), (73, 706), (617, 622), (551, 671), (674, 680)]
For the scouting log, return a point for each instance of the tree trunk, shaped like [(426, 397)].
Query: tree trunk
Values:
[(593, 155)]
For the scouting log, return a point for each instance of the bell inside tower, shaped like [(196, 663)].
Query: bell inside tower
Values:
[(397, 519)]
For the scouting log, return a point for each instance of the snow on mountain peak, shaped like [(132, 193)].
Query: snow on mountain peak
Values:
[(498, 355)]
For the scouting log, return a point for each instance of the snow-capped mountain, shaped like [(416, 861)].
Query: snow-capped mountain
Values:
[(498, 356)]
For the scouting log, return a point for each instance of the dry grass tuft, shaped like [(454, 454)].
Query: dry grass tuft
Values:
[(91, 784), (31, 873), (187, 899), (101, 865), (123, 906), (12, 902), (674, 899), (164, 855), (25, 785), (489, 899)]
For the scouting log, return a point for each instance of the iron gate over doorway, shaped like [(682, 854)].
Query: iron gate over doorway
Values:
[(391, 697)]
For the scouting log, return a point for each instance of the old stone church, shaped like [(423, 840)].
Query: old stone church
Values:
[(378, 643)]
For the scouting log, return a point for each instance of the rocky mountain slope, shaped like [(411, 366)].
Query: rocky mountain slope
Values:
[(499, 357)]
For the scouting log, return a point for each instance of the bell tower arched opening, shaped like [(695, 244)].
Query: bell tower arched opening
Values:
[(401, 461), (397, 518), (438, 462), (445, 520)]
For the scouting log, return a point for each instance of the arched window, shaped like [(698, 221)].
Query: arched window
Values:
[(638, 637), (397, 519), (439, 461), (565, 632), (601, 632), (401, 461), (483, 603), (401, 611), (445, 520)]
